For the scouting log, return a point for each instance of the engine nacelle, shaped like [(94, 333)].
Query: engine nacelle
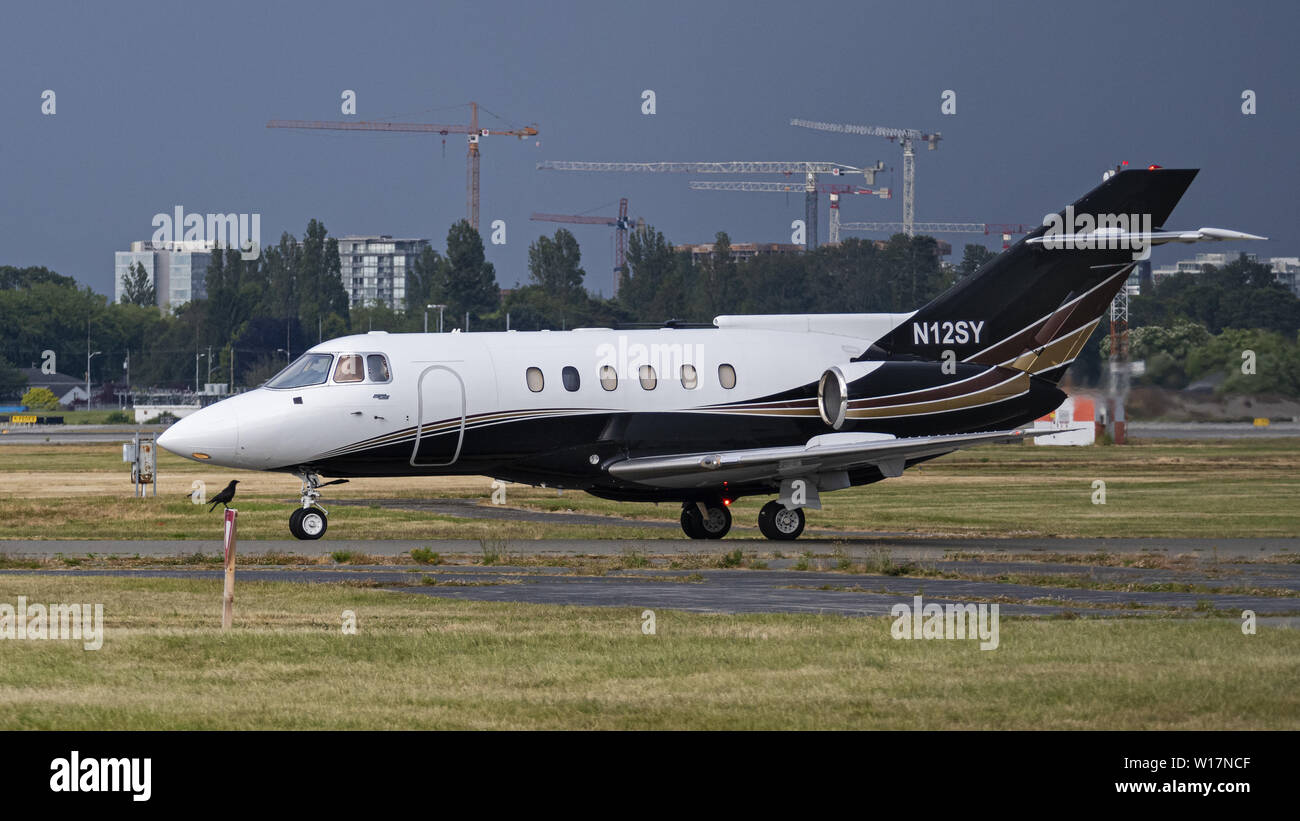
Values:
[(833, 390)]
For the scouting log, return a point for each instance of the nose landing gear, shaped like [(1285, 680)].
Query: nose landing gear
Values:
[(310, 521)]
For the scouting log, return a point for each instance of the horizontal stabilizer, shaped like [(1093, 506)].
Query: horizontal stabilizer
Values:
[(1115, 238)]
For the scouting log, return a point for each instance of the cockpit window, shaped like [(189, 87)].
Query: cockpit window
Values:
[(377, 367), (349, 368), (308, 369)]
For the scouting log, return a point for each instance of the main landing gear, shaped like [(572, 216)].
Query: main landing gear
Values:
[(712, 520), (780, 524), (310, 521)]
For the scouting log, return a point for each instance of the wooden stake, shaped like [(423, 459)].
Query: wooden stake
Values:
[(228, 597)]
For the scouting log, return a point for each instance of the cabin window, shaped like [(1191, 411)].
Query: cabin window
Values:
[(535, 380), (570, 377), (377, 368), (647, 376), (349, 368), (608, 377), (689, 377), (727, 376), (308, 369)]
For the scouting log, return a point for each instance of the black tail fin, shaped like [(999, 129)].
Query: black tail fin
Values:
[(1033, 307)]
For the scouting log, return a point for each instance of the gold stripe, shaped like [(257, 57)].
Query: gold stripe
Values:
[(1003, 390)]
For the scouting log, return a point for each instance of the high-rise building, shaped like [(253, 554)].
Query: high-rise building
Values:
[(1287, 272), (177, 270), (374, 268)]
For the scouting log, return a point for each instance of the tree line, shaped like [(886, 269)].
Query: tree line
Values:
[(259, 313)]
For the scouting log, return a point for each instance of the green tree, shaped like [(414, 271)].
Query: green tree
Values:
[(12, 278), (12, 380), (471, 284), (322, 299), (973, 258), (280, 265), (1241, 294), (655, 286), (137, 287), (555, 265), (1276, 361), (426, 280), (41, 399), (717, 284)]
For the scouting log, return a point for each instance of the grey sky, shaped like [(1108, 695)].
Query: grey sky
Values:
[(165, 104)]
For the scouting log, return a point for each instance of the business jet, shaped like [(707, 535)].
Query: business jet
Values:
[(787, 405)]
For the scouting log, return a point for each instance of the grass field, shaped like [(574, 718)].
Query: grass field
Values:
[(1227, 488), (421, 662)]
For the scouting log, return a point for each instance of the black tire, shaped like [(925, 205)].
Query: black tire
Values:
[(692, 522), (308, 524), (716, 522), (779, 524)]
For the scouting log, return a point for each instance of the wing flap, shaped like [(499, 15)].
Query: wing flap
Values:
[(821, 454)]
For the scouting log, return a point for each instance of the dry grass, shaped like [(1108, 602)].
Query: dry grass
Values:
[(422, 662), (1238, 488)]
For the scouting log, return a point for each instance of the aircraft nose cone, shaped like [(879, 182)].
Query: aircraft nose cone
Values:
[(204, 436)]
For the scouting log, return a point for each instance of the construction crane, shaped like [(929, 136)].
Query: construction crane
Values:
[(810, 170), (473, 130), (620, 224), (908, 136), (986, 228), (835, 191)]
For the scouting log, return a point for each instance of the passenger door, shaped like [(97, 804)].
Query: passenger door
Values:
[(440, 417)]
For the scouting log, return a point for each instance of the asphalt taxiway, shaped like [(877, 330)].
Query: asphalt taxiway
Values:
[(855, 546), (1024, 576)]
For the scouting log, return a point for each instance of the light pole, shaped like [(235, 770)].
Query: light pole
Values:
[(89, 356), (197, 357), (439, 307), (286, 355)]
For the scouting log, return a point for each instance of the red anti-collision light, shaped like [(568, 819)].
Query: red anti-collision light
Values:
[(1152, 167)]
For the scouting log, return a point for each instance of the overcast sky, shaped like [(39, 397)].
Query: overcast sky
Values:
[(159, 105)]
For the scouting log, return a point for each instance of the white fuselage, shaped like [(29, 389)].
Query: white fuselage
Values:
[(442, 378)]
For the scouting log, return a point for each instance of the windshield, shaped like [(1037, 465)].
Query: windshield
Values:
[(308, 369)]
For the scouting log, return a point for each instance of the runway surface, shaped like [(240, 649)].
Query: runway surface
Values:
[(856, 547), (850, 579)]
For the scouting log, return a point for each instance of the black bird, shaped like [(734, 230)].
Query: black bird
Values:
[(225, 497)]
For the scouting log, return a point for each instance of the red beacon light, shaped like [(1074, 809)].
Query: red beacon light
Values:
[(1153, 167)]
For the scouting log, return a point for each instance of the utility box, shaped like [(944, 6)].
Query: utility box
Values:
[(142, 453)]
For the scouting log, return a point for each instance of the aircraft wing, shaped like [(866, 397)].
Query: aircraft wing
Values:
[(831, 452)]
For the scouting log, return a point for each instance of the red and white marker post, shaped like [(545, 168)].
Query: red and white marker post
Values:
[(228, 597)]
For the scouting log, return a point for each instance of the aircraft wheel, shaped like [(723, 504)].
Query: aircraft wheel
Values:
[(775, 522), (716, 521), (308, 523), (692, 522)]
